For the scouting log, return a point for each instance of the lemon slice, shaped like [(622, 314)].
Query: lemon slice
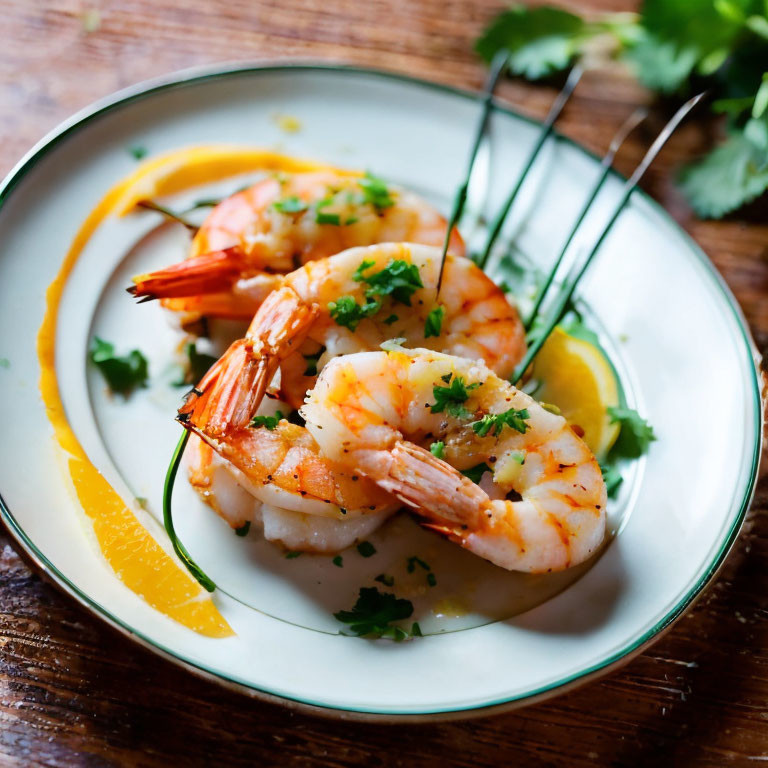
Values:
[(578, 379)]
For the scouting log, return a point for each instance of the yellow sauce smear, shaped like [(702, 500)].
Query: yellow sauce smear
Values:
[(134, 555)]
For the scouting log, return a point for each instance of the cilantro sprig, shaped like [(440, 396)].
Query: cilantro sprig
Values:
[(397, 279), (348, 313), (451, 399), (635, 436), (122, 373), (270, 422), (673, 46), (373, 614), (434, 322), (376, 192), (195, 366), (495, 422)]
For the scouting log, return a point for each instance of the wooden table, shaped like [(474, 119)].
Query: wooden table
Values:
[(73, 692)]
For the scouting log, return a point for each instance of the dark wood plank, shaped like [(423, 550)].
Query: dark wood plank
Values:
[(73, 692)]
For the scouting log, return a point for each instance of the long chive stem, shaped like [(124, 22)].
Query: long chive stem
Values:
[(628, 126), (178, 547), (168, 213), (566, 292), (497, 67), (546, 129)]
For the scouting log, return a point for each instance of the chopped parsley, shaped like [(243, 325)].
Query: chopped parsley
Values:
[(391, 319), (398, 279), (475, 473), (414, 561), (196, 366), (387, 581), (366, 549), (497, 421), (292, 555), (518, 457), (348, 313), (431, 579), (434, 322), (636, 433), (122, 374), (328, 218), (437, 448), (450, 399), (351, 220), (290, 204), (373, 613), (138, 152), (243, 529), (311, 369), (416, 630), (270, 422), (338, 561), (375, 192)]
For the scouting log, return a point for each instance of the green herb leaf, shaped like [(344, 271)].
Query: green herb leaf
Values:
[(243, 529), (375, 192), (635, 436), (416, 629), (513, 418), (366, 549), (732, 174), (122, 374), (270, 422), (311, 369), (338, 561), (290, 204), (387, 581), (197, 365), (450, 398), (431, 579), (541, 41), (391, 319), (612, 479), (476, 473), (138, 152), (348, 313), (398, 279), (373, 613), (434, 322), (414, 561), (292, 555), (437, 448), (328, 218)]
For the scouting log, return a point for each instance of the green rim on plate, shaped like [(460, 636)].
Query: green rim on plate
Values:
[(191, 77)]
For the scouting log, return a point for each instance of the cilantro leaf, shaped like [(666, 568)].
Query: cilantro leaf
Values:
[(431, 579), (292, 555), (387, 581), (270, 422), (366, 549), (338, 561), (732, 174), (612, 479), (375, 192), (450, 398), (122, 374), (290, 204), (541, 41), (365, 265), (516, 419), (312, 360), (635, 436), (373, 613), (398, 279), (437, 449), (196, 366), (391, 319), (476, 473), (414, 561), (328, 218), (348, 313), (138, 152), (434, 322)]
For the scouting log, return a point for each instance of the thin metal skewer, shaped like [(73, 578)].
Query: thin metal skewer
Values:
[(497, 67), (546, 129), (628, 126), (568, 288)]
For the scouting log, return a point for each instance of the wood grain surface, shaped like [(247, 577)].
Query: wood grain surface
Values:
[(73, 692)]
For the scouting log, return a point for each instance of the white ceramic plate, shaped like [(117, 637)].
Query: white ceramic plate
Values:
[(670, 324)]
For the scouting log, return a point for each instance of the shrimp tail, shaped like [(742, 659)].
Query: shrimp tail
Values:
[(430, 486), (208, 273), (229, 395)]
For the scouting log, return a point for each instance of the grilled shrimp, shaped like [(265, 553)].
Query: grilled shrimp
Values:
[(299, 320), (253, 237), (377, 411), (241, 496)]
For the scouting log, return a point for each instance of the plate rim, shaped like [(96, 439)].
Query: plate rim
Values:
[(199, 74)]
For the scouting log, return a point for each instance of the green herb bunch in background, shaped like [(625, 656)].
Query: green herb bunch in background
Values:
[(674, 47)]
